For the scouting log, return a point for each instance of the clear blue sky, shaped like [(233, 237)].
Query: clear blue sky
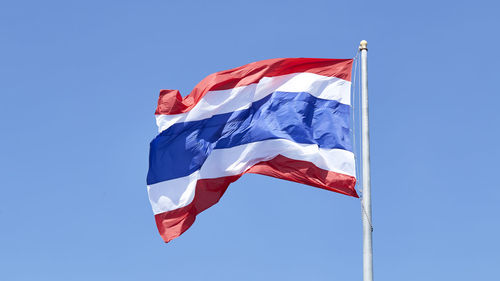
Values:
[(79, 85)]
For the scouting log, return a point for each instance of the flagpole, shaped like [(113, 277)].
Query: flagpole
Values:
[(366, 205)]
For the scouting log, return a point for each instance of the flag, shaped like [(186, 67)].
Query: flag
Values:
[(288, 118)]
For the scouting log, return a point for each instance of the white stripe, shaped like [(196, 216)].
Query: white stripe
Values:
[(225, 101), (236, 160), (172, 194)]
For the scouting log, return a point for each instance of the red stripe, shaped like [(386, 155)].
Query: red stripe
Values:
[(171, 101), (307, 173), (173, 223)]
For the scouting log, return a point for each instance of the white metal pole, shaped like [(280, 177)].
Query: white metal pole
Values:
[(366, 205)]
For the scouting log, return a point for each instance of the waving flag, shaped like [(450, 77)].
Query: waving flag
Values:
[(286, 118)]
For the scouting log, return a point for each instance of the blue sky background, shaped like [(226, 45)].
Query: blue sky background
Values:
[(79, 82)]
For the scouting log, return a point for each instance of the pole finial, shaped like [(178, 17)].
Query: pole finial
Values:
[(363, 45)]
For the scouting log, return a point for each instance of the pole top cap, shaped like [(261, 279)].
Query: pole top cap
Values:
[(363, 45)]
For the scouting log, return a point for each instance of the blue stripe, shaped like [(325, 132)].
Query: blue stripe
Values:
[(300, 117)]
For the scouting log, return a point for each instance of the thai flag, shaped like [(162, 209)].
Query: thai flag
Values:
[(286, 118)]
